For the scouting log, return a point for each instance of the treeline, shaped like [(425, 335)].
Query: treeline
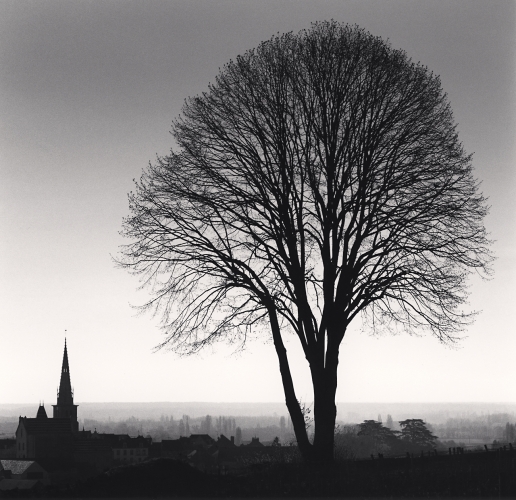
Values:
[(472, 429), (371, 437), (484, 428), (499, 426), (266, 428)]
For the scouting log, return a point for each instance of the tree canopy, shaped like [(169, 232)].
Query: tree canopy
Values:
[(415, 431), (318, 179), (381, 437)]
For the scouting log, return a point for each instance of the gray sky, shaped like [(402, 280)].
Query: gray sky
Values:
[(88, 91)]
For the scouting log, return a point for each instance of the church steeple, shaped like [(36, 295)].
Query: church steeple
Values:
[(65, 407), (65, 393)]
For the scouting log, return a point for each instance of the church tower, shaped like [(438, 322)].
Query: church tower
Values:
[(65, 407)]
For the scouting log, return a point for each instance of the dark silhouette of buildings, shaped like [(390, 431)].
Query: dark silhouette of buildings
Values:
[(58, 443), (44, 437)]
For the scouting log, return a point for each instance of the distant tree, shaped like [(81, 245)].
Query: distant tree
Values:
[(182, 431), (389, 424), (238, 436), (370, 428), (381, 437), (319, 178), (415, 432), (208, 424), (379, 418), (282, 425), (276, 441)]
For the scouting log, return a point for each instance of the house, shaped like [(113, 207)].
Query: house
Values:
[(177, 449), (23, 470), (132, 450), (224, 442), (199, 450), (201, 441), (183, 447), (255, 443)]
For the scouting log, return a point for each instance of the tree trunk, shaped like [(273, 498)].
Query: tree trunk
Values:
[(296, 415), (325, 411)]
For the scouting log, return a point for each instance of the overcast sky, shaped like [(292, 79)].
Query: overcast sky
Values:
[(88, 91)]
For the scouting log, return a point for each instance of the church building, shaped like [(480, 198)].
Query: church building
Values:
[(44, 437)]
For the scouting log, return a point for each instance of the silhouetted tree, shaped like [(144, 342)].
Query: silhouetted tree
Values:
[(319, 178), (381, 437), (415, 432)]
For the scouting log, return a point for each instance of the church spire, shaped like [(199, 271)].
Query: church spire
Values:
[(65, 393), (65, 407)]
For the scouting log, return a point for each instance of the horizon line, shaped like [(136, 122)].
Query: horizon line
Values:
[(270, 402)]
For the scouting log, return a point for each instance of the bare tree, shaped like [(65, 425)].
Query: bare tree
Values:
[(319, 178)]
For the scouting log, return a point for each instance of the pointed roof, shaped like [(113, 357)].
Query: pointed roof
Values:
[(16, 466), (41, 412), (65, 358), (65, 395)]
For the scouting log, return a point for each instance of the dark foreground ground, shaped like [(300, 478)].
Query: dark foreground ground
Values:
[(475, 475)]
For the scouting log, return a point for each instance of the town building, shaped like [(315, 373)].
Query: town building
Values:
[(131, 450), (44, 437), (22, 477), (58, 438), (23, 469)]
